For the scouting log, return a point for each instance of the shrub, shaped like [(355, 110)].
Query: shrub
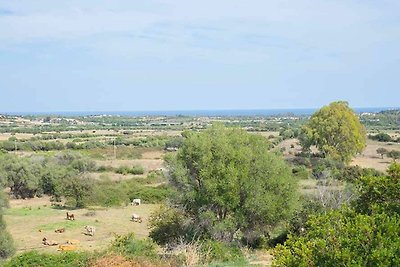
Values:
[(125, 170), (222, 252), (381, 137), (301, 172), (343, 238), (168, 225), (150, 194), (34, 258), (7, 248), (379, 192), (132, 247)]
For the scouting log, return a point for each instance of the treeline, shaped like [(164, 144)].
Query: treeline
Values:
[(383, 137), (384, 120), (14, 144)]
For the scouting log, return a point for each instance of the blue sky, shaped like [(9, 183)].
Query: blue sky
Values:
[(174, 55)]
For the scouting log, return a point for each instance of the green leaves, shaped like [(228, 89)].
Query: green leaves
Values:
[(232, 174), (336, 131), (344, 238)]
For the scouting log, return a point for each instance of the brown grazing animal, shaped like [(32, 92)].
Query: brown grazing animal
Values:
[(70, 217), (47, 242), (66, 247), (60, 231)]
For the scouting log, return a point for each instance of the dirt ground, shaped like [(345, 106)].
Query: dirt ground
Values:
[(30, 220), (151, 160), (370, 159)]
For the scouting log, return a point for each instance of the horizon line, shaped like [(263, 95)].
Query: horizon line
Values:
[(176, 111)]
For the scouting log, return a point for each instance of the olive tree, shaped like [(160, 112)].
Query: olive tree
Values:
[(381, 151), (231, 185), (336, 131)]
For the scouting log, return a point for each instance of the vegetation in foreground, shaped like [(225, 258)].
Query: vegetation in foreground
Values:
[(229, 191)]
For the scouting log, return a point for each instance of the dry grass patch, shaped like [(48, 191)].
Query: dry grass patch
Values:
[(370, 159), (29, 224)]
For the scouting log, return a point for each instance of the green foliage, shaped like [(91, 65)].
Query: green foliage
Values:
[(229, 181), (150, 195), (381, 137), (167, 225), (108, 193), (132, 247), (31, 145), (394, 154), (77, 189), (354, 173), (343, 238), (34, 258), (21, 176), (380, 193), (301, 172), (7, 248), (222, 252), (327, 168), (135, 170), (336, 131)]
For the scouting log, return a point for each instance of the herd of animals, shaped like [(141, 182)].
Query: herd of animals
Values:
[(71, 245)]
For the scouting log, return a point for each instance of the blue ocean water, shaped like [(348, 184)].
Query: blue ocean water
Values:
[(196, 113)]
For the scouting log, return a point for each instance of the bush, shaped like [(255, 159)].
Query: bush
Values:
[(222, 252), (7, 248), (379, 192), (34, 258), (343, 238), (381, 137), (327, 168), (132, 247), (168, 225), (354, 173), (150, 195), (301, 172), (125, 170)]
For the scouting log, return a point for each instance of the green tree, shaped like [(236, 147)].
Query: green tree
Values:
[(230, 183), (336, 131), (77, 189), (22, 176)]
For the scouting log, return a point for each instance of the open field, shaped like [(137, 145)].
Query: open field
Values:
[(30, 220), (370, 159)]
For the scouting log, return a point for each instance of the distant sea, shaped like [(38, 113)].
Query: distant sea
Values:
[(196, 113)]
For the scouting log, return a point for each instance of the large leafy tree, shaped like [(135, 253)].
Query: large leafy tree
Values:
[(230, 183), (336, 131), (22, 176)]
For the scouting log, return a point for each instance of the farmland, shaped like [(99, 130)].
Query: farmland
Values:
[(122, 158)]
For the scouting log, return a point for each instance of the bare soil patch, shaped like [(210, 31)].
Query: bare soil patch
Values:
[(370, 159)]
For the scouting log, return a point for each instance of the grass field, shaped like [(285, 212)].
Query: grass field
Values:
[(30, 220)]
